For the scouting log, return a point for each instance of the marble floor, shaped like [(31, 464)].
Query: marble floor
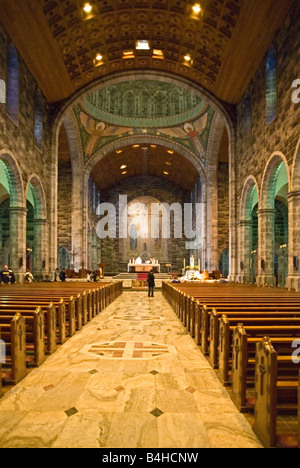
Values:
[(132, 378)]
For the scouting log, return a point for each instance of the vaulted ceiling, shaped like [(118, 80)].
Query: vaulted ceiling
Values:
[(145, 159), (225, 41)]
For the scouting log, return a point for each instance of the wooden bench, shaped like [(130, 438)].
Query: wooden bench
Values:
[(274, 396), (28, 312), (221, 332), (14, 336), (210, 320), (243, 363), (35, 335)]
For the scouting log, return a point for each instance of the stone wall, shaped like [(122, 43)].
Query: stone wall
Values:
[(144, 186), (260, 153), (64, 205), (282, 133), (25, 162), (19, 138), (223, 208)]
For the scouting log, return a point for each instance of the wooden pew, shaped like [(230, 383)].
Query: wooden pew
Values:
[(272, 395), (221, 342), (243, 363), (14, 336), (35, 335), (28, 311), (210, 319)]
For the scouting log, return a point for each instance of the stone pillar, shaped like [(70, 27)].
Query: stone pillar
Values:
[(212, 259), (245, 236), (266, 246), (293, 279), (233, 254), (52, 233), (18, 218), (41, 262)]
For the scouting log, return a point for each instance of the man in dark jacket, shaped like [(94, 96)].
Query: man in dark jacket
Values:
[(63, 275), (151, 283)]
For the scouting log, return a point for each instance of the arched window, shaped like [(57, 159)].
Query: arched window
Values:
[(38, 120), (247, 124), (271, 86), (12, 98)]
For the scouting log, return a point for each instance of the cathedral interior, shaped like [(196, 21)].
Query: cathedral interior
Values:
[(140, 135)]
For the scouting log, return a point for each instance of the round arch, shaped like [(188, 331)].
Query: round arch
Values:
[(267, 195), (15, 179), (296, 169), (247, 198), (40, 227), (152, 140), (267, 273), (39, 196), (222, 118)]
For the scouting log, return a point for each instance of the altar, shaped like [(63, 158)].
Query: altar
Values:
[(143, 267)]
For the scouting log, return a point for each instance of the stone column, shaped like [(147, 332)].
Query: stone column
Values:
[(266, 221), (293, 279), (18, 218), (233, 254), (245, 235), (212, 259), (41, 262)]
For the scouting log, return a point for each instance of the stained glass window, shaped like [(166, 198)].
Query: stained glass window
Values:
[(38, 120), (247, 117), (12, 106), (271, 86)]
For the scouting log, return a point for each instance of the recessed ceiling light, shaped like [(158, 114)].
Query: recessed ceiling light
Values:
[(119, 151), (153, 146), (142, 45), (187, 58), (128, 54), (136, 146), (124, 172), (87, 8), (158, 54), (197, 8), (166, 173), (170, 151), (168, 163), (123, 167)]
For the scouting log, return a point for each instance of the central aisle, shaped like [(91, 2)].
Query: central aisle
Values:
[(132, 378)]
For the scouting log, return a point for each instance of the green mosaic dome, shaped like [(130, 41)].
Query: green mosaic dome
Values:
[(144, 103)]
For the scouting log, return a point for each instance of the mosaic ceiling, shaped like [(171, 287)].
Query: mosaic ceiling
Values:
[(144, 108)]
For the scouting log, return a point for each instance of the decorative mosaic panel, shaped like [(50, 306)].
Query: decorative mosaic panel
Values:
[(125, 350), (96, 134)]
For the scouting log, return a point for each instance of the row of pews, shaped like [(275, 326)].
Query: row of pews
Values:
[(251, 337), (35, 319)]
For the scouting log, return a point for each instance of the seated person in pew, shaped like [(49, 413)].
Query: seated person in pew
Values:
[(7, 276), (28, 277)]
